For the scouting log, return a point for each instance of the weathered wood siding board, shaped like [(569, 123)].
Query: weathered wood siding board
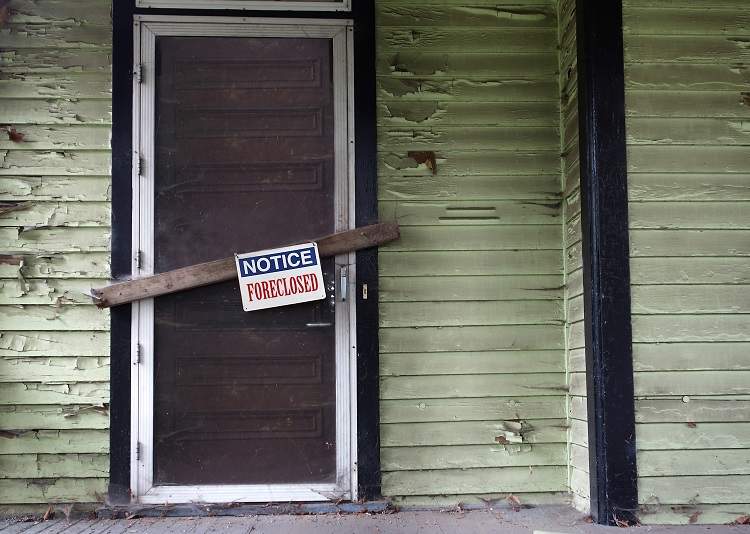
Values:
[(518, 435), (497, 500), (577, 455), (695, 409), (55, 369), (25, 343), (710, 514), (482, 480), (55, 103), (55, 417), (460, 363), (468, 456), (470, 409), (67, 188), (53, 465), (50, 490), (472, 296), (687, 82)]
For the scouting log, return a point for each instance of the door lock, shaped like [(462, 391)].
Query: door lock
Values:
[(343, 282)]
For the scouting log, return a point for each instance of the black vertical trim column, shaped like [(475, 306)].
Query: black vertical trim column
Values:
[(606, 267), (122, 108), (366, 202)]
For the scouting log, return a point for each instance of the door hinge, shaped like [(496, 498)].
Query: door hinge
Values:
[(138, 448), (138, 73), (138, 353), (139, 165), (138, 257)]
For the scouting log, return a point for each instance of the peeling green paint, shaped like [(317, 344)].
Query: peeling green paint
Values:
[(55, 100), (687, 73), (471, 297)]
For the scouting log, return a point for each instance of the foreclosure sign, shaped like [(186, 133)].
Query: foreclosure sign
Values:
[(280, 276)]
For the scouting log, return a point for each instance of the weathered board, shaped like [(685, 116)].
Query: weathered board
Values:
[(212, 272), (687, 77)]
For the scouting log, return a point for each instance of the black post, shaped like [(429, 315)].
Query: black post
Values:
[(122, 111), (366, 202), (606, 267)]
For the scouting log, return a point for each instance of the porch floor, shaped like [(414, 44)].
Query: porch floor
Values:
[(542, 520)]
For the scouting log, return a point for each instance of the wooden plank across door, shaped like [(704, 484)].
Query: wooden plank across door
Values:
[(212, 272)]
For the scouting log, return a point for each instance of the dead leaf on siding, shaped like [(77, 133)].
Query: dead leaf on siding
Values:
[(691, 424), (14, 135), (741, 520), (694, 517), (426, 157)]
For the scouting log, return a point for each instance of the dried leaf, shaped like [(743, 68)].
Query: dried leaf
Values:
[(741, 520), (691, 424), (502, 440), (694, 517), (426, 157), (49, 514), (14, 135), (515, 502), (622, 523)]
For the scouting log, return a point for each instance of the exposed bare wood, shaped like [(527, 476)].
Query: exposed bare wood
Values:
[(211, 272)]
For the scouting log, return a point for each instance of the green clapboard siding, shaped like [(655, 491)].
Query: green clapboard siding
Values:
[(55, 103), (578, 458), (687, 71), (472, 297)]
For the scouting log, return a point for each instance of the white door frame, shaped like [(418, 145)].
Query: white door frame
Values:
[(281, 5), (146, 30)]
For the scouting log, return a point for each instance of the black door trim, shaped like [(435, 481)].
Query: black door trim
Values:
[(606, 274), (368, 445), (366, 206)]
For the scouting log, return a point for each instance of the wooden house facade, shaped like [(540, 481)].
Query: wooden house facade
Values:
[(564, 318)]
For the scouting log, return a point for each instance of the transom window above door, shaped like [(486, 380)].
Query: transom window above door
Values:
[(280, 5)]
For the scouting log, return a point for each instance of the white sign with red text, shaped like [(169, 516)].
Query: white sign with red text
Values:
[(280, 276)]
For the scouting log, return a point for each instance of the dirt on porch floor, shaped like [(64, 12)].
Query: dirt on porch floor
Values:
[(543, 520)]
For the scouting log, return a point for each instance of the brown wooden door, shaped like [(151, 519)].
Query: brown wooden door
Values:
[(244, 161)]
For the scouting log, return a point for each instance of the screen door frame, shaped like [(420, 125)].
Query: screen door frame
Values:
[(146, 28), (270, 5)]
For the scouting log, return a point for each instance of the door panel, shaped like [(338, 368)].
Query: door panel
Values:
[(244, 161)]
